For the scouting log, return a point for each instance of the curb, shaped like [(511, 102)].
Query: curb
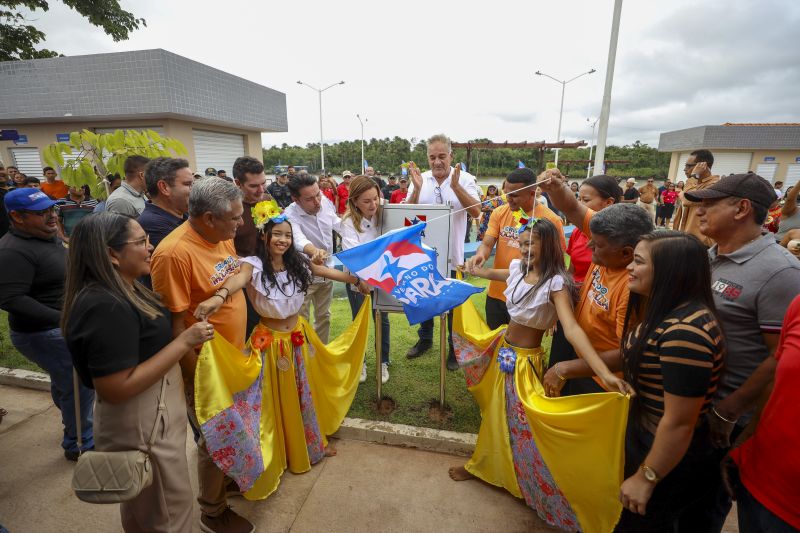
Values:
[(381, 432), (26, 379)]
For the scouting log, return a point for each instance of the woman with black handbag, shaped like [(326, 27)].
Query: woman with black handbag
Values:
[(121, 342)]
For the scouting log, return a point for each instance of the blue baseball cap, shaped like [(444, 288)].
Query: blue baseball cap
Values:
[(26, 199)]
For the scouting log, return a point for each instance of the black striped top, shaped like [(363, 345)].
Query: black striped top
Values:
[(683, 356)]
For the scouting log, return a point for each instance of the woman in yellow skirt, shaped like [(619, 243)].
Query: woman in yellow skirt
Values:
[(275, 405), (562, 455)]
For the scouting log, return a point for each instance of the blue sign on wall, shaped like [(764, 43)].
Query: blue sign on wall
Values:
[(9, 135), (22, 139), (797, 159), (62, 137), (769, 159)]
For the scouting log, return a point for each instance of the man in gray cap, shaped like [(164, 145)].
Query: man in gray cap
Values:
[(753, 280)]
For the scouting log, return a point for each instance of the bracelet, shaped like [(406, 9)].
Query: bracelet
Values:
[(223, 298), (716, 413), (558, 374)]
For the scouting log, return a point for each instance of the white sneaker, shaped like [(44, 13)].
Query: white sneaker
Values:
[(363, 378), (384, 372)]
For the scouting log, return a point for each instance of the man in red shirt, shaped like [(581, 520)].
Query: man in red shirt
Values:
[(400, 194), (769, 465), (343, 192)]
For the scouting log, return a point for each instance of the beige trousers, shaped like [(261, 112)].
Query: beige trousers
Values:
[(320, 293), (166, 505)]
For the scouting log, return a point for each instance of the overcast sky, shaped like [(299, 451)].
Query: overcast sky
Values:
[(415, 68)]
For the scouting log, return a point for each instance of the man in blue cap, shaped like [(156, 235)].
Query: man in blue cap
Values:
[(32, 292)]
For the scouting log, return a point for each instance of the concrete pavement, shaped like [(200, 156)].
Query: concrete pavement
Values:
[(366, 487)]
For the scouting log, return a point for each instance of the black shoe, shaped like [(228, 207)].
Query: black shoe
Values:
[(452, 363), (418, 349), (72, 455)]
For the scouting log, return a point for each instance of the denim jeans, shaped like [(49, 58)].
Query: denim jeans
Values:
[(356, 299), (48, 349)]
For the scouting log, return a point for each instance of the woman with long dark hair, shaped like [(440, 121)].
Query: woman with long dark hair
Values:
[(276, 405), (120, 337), (504, 369), (672, 353)]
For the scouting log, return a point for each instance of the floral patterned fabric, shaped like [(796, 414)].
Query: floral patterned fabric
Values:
[(232, 437), (314, 441), (534, 478)]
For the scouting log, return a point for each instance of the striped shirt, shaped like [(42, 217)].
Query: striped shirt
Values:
[(683, 356)]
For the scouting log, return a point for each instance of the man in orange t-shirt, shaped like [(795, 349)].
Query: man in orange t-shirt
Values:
[(55, 189), (613, 234), (502, 230), (189, 266), (698, 177)]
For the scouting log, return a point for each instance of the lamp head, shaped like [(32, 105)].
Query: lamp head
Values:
[(592, 71), (537, 73)]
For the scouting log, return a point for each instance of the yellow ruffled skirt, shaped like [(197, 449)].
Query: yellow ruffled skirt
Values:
[(274, 405), (564, 456)]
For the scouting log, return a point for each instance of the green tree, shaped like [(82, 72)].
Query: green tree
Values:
[(19, 38), (89, 157)]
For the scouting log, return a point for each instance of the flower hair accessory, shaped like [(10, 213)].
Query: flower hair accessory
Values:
[(267, 211), (524, 221)]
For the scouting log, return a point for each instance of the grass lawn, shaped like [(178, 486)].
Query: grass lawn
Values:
[(414, 384)]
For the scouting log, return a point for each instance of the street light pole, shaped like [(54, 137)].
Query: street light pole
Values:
[(591, 145), (363, 166), (605, 110), (561, 111), (321, 138)]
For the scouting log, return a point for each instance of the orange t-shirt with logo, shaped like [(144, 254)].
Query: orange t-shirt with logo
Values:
[(187, 270), (603, 302), (503, 227)]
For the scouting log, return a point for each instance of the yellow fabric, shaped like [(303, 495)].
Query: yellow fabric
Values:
[(581, 438), (332, 372)]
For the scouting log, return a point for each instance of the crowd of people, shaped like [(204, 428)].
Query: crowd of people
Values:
[(675, 352)]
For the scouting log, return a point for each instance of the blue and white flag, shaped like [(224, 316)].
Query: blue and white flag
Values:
[(400, 264), (520, 164), (366, 164)]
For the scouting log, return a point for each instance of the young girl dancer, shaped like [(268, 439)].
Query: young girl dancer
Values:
[(562, 455), (275, 405)]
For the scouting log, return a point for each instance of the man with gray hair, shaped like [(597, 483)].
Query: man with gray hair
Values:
[(600, 311), (189, 266), (444, 184)]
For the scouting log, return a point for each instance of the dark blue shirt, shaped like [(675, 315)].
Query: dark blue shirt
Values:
[(158, 223)]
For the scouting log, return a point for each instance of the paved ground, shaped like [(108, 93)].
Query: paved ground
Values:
[(366, 487)]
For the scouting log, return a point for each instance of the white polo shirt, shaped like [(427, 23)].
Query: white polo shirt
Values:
[(315, 229), (433, 193)]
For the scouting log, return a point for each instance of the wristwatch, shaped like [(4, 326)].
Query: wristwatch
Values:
[(650, 474)]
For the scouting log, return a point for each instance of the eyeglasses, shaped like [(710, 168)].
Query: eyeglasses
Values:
[(438, 192), (40, 212), (144, 240), (689, 165)]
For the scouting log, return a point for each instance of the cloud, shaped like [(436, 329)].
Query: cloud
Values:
[(516, 117)]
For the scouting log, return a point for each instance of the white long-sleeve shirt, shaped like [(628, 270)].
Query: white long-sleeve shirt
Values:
[(433, 193), (314, 229)]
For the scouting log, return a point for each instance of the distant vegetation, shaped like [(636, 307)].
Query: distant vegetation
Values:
[(386, 156)]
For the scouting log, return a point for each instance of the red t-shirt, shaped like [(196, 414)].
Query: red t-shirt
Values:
[(344, 193), (669, 197), (330, 195), (769, 462), (398, 196), (580, 255)]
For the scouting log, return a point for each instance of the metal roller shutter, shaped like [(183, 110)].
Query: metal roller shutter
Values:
[(28, 161), (767, 171), (217, 150), (724, 163)]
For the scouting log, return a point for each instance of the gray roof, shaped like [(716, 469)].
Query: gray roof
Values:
[(733, 136), (139, 84)]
